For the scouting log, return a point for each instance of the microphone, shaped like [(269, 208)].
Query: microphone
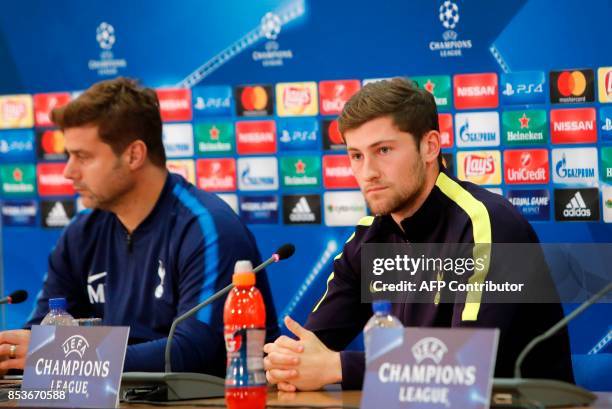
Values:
[(15, 297), (549, 393), (171, 386)]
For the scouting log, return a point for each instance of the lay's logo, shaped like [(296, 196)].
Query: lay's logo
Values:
[(480, 167), (16, 111), (297, 99)]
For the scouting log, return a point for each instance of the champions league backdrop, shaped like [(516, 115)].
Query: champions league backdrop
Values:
[(249, 94)]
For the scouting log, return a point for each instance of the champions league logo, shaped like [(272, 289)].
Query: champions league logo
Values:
[(270, 27), (106, 65), (105, 36), (452, 46)]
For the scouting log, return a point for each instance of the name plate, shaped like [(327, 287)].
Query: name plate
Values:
[(74, 367), (430, 368)]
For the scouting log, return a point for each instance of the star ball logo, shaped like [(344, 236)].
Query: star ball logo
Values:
[(572, 86), (105, 36), (451, 46)]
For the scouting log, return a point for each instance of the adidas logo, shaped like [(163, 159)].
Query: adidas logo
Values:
[(576, 207), (301, 212), (57, 217)]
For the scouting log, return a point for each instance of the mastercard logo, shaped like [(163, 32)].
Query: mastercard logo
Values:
[(254, 98), (571, 83), (334, 133), (52, 141)]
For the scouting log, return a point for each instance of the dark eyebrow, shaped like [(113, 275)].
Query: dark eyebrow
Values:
[(375, 144)]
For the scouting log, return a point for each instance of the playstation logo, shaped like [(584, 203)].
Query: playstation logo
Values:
[(508, 91)]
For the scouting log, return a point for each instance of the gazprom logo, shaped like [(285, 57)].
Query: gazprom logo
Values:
[(467, 135), (477, 129), (258, 173), (563, 171), (429, 348), (76, 344)]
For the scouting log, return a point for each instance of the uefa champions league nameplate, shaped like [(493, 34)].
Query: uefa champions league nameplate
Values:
[(430, 368), (74, 367)]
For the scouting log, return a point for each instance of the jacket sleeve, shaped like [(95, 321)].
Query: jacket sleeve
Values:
[(339, 316), (206, 262), (519, 321)]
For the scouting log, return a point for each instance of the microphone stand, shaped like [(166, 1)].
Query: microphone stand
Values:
[(521, 392), (172, 386)]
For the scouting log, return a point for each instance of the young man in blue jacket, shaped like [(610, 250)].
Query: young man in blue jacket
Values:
[(150, 248), (393, 142)]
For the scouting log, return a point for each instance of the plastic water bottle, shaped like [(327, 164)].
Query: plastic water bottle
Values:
[(382, 318), (244, 318), (57, 314)]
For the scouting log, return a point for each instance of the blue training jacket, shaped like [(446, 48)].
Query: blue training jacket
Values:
[(182, 253)]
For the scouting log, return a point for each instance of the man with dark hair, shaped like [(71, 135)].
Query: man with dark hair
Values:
[(391, 132), (152, 247)]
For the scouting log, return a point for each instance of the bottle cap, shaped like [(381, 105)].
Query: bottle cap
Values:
[(57, 303), (243, 274), (382, 307)]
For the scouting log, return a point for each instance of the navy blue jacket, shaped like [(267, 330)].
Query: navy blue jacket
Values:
[(182, 253), (454, 212)]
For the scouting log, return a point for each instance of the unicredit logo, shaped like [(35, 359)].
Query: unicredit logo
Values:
[(526, 175), (476, 165)]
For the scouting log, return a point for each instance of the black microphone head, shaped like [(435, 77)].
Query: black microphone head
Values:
[(285, 251), (18, 296)]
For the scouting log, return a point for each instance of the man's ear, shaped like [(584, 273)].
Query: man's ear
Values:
[(430, 146), (136, 154)]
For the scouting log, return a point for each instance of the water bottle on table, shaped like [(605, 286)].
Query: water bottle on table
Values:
[(382, 318), (57, 314)]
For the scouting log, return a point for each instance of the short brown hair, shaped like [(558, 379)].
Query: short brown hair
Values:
[(123, 111), (412, 109)]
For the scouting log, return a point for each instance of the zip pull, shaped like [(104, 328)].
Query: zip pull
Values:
[(128, 237)]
